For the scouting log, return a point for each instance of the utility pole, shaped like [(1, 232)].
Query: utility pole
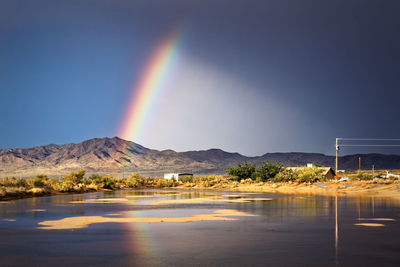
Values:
[(359, 163), (366, 144), (337, 158)]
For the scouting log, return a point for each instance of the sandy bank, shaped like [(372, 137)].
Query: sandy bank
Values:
[(361, 188), (325, 188)]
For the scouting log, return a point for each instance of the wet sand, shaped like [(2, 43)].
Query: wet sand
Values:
[(9, 220), (211, 198), (378, 219), (100, 201), (139, 196), (37, 210), (370, 224), (208, 200), (85, 221)]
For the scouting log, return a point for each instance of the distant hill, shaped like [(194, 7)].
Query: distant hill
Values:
[(115, 156)]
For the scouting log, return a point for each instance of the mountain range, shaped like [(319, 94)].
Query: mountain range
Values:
[(118, 157)]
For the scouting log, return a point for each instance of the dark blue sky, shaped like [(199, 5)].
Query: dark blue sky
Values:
[(252, 76)]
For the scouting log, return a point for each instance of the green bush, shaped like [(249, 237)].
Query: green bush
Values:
[(40, 180), (286, 175), (133, 181), (247, 170), (268, 171), (187, 179), (242, 171), (310, 175), (109, 182), (361, 177), (64, 186), (105, 182), (3, 191), (94, 178), (13, 182), (233, 178), (75, 177), (165, 182)]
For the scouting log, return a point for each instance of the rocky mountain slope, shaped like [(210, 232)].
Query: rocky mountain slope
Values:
[(115, 156)]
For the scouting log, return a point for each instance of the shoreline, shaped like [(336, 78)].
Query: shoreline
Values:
[(351, 189), (55, 193)]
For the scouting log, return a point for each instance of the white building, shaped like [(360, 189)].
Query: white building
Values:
[(177, 176), (171, 175)]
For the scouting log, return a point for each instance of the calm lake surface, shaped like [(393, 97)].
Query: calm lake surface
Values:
[(287, 231)]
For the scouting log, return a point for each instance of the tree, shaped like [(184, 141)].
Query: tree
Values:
[(242, 171), (75, 177), (268, 171), (247, 170)]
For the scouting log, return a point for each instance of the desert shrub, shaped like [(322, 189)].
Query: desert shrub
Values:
[(210, 180), (40, 180), (133, 181), (187, 179), (286, 175), (149, 182), (12, 182), (246, 181), (267, 171), (158, 182), (310, 175), (361, 177), (64, 186), (109, 182), (75, 177), (165, 182), (35, 182), (51, 182), (42, 177), (242, 171), (202, 179), (205, 181), (2, 191), (13, 191), (94, 178), (106, 182), (233, 178), (135, 175)]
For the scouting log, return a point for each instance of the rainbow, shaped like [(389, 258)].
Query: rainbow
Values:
[(150, 86), (141, 240)]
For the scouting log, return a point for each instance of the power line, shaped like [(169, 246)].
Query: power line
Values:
[(369, 145), (338, 145), (366, 139)]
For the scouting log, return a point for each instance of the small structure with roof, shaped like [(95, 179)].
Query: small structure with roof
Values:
[(327, 172), (177, 176)]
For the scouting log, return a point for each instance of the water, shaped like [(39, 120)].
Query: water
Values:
[(287, 231)]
